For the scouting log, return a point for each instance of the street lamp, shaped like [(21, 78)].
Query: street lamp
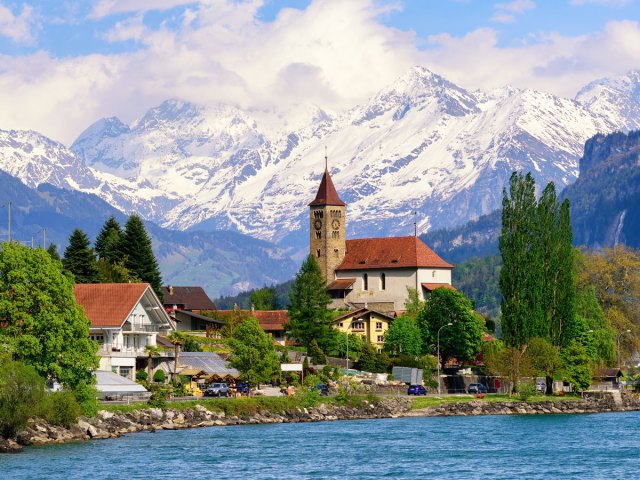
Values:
[(620, 335), (438, 343)]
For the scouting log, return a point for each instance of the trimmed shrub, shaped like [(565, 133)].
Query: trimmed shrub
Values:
[(159, 376), (141, 375), (21, 396)]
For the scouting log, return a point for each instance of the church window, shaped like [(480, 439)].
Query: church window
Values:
[(318, 252), (383, 281), (335, 234), (317, 214), (365, 282), (318, 234), (336, 252)]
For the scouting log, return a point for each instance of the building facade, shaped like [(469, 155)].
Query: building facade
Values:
[(371, 273)]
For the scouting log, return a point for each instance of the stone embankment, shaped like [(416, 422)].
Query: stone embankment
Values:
[(594, 404), (112, 425)]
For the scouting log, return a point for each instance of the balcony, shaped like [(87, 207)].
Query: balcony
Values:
[(138, 328)]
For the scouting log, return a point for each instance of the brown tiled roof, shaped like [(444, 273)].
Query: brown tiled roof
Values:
[(268, 319), (192, 298), (360, 312), (108, 304), (327, 194), (390, 252), (341, 284), (432, 286)]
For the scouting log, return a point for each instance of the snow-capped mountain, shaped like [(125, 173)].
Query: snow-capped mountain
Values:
[(422, 145), (615, 98)]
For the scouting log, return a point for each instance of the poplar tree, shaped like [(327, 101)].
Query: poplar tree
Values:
[(516, 279), (309, 317), (80, 259), (135, 244), (537, 280)]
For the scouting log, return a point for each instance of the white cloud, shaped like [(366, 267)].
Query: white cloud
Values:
[(18, 28), (506, 12), (106, 8), (129, 29), (333, 54)]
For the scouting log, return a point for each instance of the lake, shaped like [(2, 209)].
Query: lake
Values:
[(497, 447)]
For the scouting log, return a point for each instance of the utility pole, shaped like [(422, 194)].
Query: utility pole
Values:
[(8, 205), (44, 237)]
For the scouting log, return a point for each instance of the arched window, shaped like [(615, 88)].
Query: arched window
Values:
[(318, 234), (365, 282), (383, 281), (318, 251)]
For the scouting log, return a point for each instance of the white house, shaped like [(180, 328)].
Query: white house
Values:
[(125, 317)]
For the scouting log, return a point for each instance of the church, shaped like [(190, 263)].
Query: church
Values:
[(368, 276)]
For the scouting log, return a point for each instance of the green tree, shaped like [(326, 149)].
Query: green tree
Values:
[(264, 299), (413, 304), (152, 351), (52, 250), (544, 360), (507, 362), (309, 317), (403, 336), (517, 278), (368, 361), (576, 366), (136, 245), (43, 324), (253, 353), (462, 339), (107, 243), (317, 355), (115, 272), (354, 342), (80, 259), (537, 279), (21, 394)]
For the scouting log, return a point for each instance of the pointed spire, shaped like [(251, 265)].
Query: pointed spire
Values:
[(327, 194)]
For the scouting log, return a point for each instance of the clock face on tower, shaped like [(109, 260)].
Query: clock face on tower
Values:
[(317, 224), (335, 224)]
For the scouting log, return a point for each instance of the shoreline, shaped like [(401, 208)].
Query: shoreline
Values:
[(116, 424)]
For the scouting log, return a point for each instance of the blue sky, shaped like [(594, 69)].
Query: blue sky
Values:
[(65, 64)]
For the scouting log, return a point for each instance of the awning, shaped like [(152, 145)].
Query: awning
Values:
[(341, 284)]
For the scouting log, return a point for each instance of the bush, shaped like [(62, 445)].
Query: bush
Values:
[(311, 380), (62, 408), (317, 355), (141, 376), (526, 390), (159, 376), (87, 398), (21, 396), (158, 395)]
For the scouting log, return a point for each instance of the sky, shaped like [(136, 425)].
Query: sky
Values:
[(65, 64)]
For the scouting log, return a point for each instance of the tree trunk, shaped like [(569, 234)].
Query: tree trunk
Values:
[(549, 382)]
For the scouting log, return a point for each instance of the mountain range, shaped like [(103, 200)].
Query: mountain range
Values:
[(421, 150)]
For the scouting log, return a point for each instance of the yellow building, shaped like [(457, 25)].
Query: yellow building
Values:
[(369, 324)]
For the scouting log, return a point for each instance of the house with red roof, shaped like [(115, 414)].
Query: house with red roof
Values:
[(271, 321), (125, 317), (370, 273)]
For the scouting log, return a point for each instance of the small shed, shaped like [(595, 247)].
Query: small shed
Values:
[(112, 386), (606, 379)]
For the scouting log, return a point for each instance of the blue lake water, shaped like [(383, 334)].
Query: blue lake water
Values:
[(498, 447)]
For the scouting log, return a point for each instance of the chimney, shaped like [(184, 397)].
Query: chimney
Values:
[(170, 289)]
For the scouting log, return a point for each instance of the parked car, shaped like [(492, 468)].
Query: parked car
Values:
[(242, 388), (477, 388), (322, 389), (217, 390), (416, 390)]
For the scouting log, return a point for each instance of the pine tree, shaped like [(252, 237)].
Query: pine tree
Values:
[(107, 244), (80, 259), (136, 246), (52, 250), (309, 317)]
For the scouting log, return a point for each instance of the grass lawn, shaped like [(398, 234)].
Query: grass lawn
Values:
[(436, 401)]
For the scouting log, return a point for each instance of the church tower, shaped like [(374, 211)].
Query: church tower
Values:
[(327, 219)]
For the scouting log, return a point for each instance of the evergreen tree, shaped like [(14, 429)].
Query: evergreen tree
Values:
[(317, 355), (52, 250), (264, 299), (107, 244), (309, 317), (136, 246), (80, 259), (368, 361)]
